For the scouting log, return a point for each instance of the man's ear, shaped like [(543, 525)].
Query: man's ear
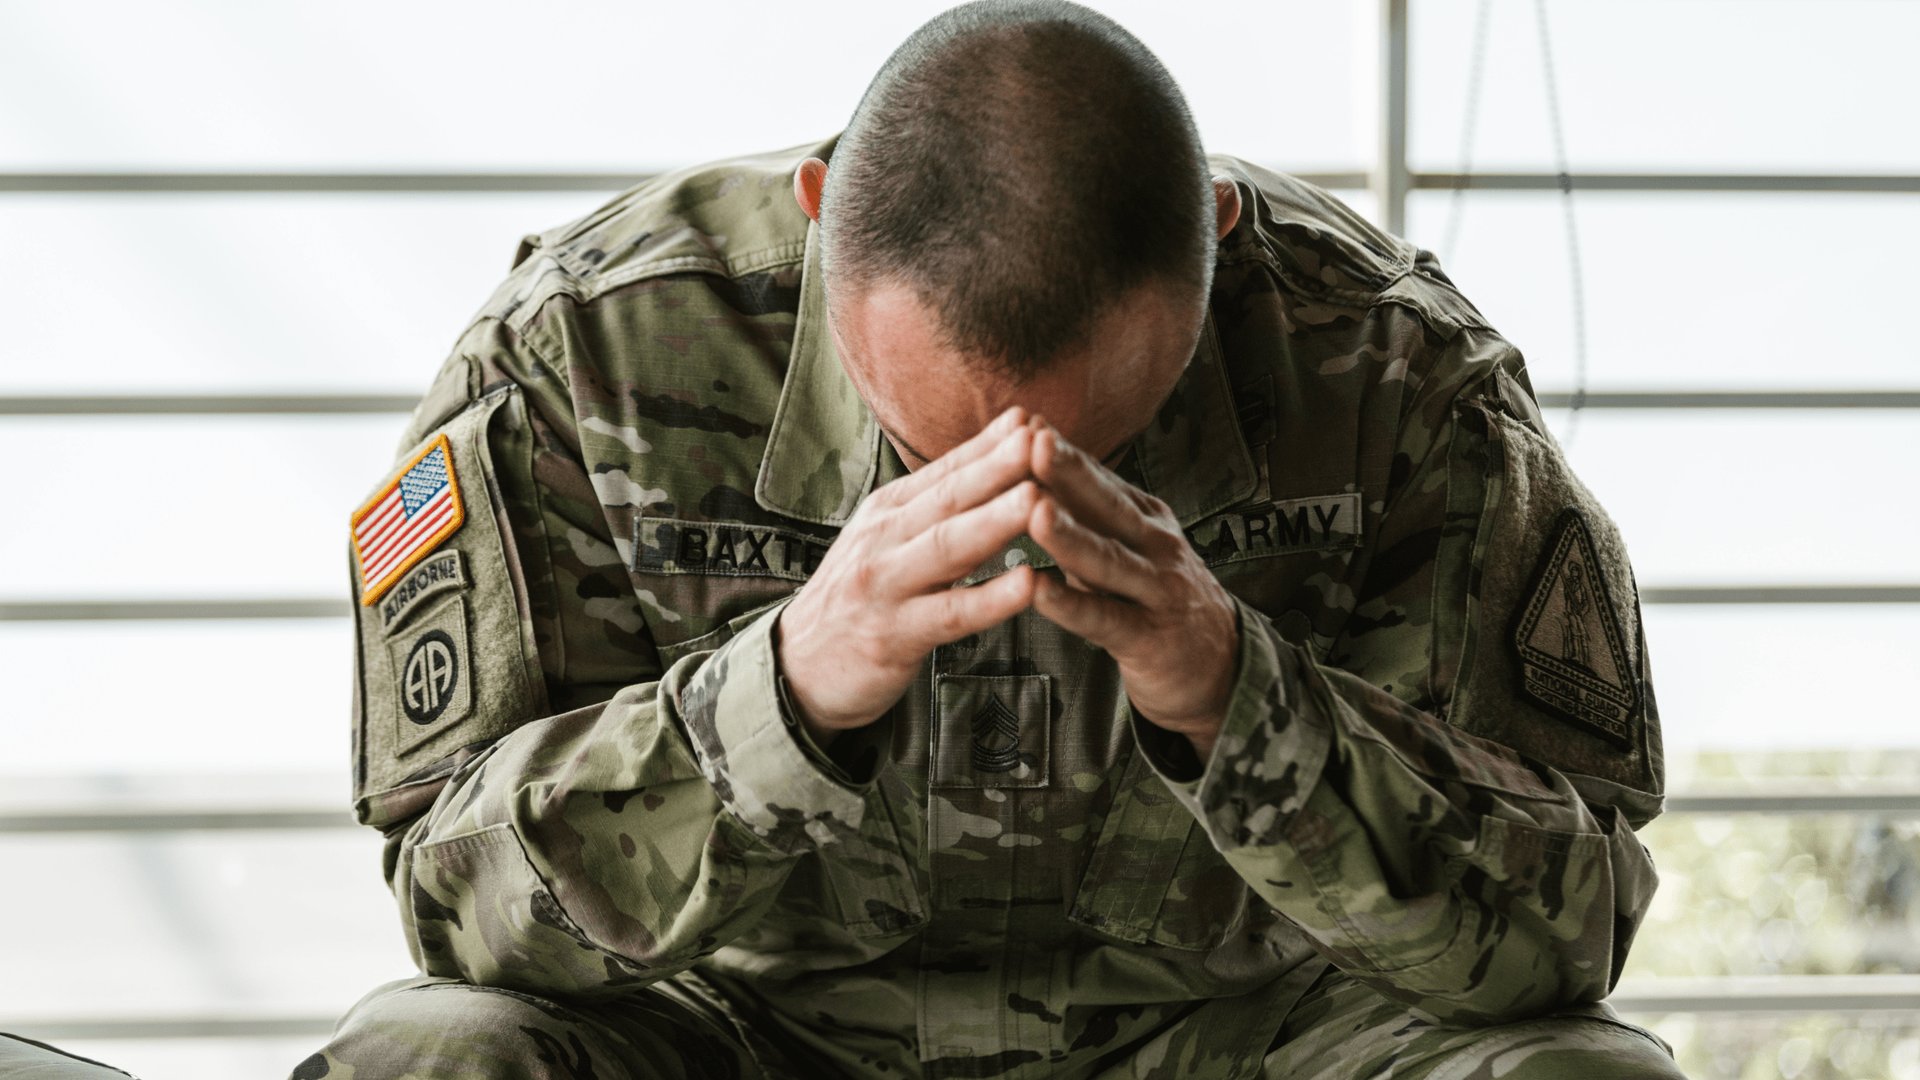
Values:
[(1226, 203), (811, 176)]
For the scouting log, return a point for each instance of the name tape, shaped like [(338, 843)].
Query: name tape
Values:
[(1320, 522), (677, 546)]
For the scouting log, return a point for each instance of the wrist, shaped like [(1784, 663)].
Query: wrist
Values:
[(790, 708), (822, 736)]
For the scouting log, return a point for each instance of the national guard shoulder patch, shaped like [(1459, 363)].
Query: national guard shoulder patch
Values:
[(406, 519), (1573, 653)]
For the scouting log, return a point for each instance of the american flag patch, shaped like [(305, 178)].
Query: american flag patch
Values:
[(398, 527)]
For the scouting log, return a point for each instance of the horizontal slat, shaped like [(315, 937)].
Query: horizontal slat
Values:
[(1719, 994), (172, 820), (334, 404), (88, 610), (1770, 993), (1787, 801), (1735, 399), (126, 819), (209, 404), (309, 183), (313, 607), (1881, 184), (1781, 594), (59, 1029)]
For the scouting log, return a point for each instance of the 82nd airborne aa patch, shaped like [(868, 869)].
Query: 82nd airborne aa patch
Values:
[(1573, 655), (403, 522)]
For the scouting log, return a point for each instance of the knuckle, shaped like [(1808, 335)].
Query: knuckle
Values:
[(873, 510), (1164, 539), (1145, 565), (945, 495), (952, 619), (884, 497), (941, 541)]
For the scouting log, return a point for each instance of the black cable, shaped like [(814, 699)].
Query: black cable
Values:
[(1456, 203), (1456, 207), (1579, 399)]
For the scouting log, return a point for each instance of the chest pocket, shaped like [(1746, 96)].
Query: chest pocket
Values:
[(1153, 876)]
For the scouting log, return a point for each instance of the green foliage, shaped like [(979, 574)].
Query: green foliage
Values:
[(1786, 894)]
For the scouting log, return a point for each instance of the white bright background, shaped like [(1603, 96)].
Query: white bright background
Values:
[(222, 293)]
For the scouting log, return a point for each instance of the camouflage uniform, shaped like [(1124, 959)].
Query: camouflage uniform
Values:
[(617, 854)]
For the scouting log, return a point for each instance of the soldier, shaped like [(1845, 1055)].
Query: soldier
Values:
[(1035, 601)]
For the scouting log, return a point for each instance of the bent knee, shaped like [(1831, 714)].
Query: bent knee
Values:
[(442, 1028), (1551, 1048)]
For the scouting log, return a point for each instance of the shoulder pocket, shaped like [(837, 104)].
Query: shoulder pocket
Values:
[(446, 661), (1548, 653)]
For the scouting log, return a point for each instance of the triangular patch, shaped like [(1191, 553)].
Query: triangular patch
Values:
[(1573, 655)]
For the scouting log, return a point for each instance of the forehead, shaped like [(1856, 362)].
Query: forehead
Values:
[(929, 397), (892, 323)]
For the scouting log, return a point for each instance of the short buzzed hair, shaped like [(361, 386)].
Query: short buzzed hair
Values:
[(1020, 164)]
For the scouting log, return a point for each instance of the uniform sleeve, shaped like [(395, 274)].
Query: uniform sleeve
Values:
[(564, 814), (1464, 841)]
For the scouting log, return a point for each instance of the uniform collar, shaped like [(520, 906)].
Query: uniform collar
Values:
[(824, 447), (825, 451)]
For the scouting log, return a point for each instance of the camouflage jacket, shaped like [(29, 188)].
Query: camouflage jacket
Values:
[(1440, 743)]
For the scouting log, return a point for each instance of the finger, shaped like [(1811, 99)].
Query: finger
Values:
[(966, 486), (1109, 622), (952, 614), (979, 446), (955, 546), (1148, 504), (1087, 488), (1095, 563)]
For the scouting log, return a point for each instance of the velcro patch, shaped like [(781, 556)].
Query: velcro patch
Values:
[(1573, 654), (404, 521), (434, 575), (433, 676), (992, 731)]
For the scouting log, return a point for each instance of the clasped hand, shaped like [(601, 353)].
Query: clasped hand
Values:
[(853, 638)]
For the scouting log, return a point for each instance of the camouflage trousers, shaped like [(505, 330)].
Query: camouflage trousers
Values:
[(1343, 1030), (428, 1028)]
